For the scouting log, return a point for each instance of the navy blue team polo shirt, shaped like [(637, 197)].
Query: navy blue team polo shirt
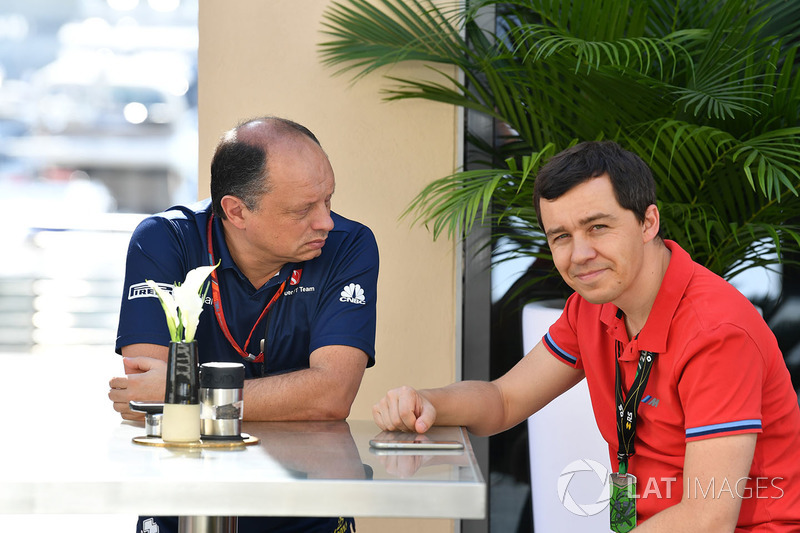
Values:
[(329, 300)]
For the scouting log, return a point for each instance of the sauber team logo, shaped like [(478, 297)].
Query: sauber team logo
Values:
[(296, 275), (353, 294)]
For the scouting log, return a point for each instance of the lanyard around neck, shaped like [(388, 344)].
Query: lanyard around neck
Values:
[(217, 299), (628, 404)]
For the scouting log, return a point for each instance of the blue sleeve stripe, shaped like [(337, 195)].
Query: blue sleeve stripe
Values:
[(548, 340), (723, 428)]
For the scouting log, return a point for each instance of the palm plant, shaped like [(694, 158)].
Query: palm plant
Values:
[(708, 93)]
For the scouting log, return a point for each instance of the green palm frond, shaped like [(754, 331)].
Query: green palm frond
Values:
[(776, 158), (725, 90), (704, 201), (366, 37), (708, 93), (454, 203), (728, 247), (593, 20), (781, 18), (643, 55)]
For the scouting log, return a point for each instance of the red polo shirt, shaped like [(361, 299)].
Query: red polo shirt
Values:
[(718, 372)]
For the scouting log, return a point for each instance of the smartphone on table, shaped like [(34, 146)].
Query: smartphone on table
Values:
[(392, 440)]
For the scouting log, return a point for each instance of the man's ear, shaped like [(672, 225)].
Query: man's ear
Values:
[(234, 210), (651, 224)]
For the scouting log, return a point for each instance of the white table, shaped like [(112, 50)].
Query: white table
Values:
[(71, 454)]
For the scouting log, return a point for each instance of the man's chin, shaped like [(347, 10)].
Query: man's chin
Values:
[(307, 255), (592, 295)]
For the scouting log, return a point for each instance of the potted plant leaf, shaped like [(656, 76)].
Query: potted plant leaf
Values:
[(707, 93)]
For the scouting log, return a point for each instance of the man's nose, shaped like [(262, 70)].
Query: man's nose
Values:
[(322, 220), (582, 250)]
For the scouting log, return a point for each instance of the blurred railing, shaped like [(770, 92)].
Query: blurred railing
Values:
[(61, 287)]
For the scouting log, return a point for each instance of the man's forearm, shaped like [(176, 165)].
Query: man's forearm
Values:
[(477, 405), (723, 460), (682, 518), (306, 394), (324, 391)]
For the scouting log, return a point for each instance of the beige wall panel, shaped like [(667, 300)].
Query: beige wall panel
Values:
[(261, 57), (404, 525)]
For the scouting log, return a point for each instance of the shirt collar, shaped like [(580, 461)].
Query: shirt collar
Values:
[(221, 252), (226, 260), (653, 336)]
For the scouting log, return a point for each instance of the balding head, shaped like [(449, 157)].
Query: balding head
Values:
[(240, 166), (264, 131)]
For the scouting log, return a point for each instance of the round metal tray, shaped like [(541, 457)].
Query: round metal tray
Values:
[(247, 440)]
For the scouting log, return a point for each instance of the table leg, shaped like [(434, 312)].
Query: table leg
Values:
[(208, 524)]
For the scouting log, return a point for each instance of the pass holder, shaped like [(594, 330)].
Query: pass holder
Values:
[(623, 502)]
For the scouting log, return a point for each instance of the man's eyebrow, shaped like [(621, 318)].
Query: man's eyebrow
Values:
[(583, 222), (311, 203), (594, 218)]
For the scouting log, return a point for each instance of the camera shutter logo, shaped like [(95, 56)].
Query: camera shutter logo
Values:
[(564, 496)]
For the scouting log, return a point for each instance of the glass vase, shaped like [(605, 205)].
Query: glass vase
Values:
[(181, 421)]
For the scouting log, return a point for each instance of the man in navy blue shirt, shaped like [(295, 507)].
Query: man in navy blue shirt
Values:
[(291, 272)]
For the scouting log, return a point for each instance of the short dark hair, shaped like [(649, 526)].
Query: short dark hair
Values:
[(631, 178), (239, 168)]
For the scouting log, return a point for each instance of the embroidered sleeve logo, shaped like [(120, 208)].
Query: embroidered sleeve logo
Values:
[(353, 294)]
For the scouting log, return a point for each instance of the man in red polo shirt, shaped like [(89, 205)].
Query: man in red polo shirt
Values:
[(687, 382)]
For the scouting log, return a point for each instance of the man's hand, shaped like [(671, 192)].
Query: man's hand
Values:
[(404, 409), (145, 381), (484, 408), (146, 370)]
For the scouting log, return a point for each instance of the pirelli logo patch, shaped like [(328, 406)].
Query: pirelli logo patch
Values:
[(142, 290)]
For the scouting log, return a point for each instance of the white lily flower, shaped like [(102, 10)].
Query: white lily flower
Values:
[(184, 305), (190, 299), (170, 307)]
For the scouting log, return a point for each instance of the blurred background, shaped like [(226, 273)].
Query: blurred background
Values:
[(98, 126)]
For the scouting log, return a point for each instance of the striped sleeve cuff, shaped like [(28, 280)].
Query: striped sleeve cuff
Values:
[(727, 427), (554, 348)]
